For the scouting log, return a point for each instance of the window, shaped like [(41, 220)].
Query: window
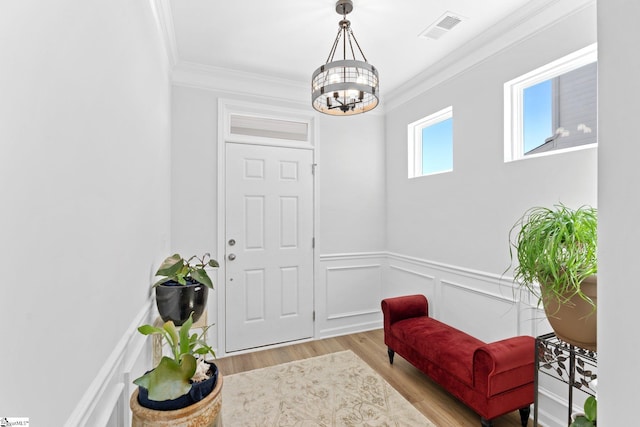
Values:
[(268, 127), (430, 143), (553, 108)]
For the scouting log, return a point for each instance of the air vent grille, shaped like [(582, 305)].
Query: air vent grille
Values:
[(449, 22), (441, 26)]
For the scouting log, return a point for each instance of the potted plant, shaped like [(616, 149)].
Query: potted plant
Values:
[(183, 387), (183, 287), (557, 262), (588, 419)]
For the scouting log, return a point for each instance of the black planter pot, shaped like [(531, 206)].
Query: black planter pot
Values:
[(175, 301), (198, 392)]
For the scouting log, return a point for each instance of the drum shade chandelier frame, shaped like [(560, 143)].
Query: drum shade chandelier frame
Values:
[(345, 86)]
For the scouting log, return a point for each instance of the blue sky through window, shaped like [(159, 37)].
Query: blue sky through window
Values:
[(537, 124), (437, 147)]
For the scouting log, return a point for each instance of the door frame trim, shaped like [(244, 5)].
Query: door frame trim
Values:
[(227, 107)]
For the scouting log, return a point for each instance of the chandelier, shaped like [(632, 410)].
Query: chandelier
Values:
[(345, 86)]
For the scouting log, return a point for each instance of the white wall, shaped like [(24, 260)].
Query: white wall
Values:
[(84, 173), (463, 217), (352, 184), (619, 175), (194, 186)]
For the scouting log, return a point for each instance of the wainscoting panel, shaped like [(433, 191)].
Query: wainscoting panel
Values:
[(350, 287), (353, 291), (481, 304), (494, 317), (408, 281), (348, 294)]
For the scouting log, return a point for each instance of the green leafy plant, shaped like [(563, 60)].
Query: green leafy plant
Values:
[(177, 269), (557, 249), (590, 414), (172, 377)]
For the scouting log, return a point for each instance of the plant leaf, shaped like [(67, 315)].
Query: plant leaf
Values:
[(149, 330), (161, 281), (205, 349), (590, 408), (172, 334), (213, 263), (170, 265), (169, 380), (184, 334), (201, 276)]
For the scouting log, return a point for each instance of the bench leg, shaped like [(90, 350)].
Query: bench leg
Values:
[(390, 352), (524, 418), (524, 415)]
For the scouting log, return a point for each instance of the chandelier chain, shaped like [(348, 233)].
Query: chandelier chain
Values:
[(358, 45), (332, 52)]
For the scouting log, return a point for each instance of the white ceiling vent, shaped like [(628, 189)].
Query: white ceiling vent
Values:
[(441, 26)]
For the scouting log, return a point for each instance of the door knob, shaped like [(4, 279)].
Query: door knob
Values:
[(231, 257), (232, 242)]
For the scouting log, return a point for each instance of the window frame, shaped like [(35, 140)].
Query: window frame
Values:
[(514, 101), (414, 141)]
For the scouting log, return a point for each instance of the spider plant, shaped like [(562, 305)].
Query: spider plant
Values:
[(556, 249)]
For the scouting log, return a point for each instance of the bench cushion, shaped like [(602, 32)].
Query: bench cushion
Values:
[(451, 349)]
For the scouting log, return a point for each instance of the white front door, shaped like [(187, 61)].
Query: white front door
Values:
[(269, 245)]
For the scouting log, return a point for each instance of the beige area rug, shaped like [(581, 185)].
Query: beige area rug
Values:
[(337, 389)]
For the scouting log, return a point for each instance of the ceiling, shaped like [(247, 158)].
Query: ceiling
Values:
[(289, 39)]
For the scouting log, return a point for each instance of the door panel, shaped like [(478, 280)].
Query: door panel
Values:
[(269, 269)]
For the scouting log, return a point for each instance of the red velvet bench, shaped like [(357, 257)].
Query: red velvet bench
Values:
[(492, 379)]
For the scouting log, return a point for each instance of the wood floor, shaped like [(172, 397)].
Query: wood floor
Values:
[(428, 397)]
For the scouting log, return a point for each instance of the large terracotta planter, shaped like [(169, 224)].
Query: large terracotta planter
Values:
[(205, 413), (575, 322)]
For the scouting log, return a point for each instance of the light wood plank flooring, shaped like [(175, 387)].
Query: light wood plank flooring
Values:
[(427, 396)]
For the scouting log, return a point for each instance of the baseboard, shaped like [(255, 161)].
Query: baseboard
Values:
[(351, 329), (552, 409)]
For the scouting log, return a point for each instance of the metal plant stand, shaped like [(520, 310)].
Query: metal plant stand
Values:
[(572, 365)]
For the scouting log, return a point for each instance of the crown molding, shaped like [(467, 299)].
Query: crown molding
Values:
[(244, 83), (532, 19), (219, 79), (161, 10)]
